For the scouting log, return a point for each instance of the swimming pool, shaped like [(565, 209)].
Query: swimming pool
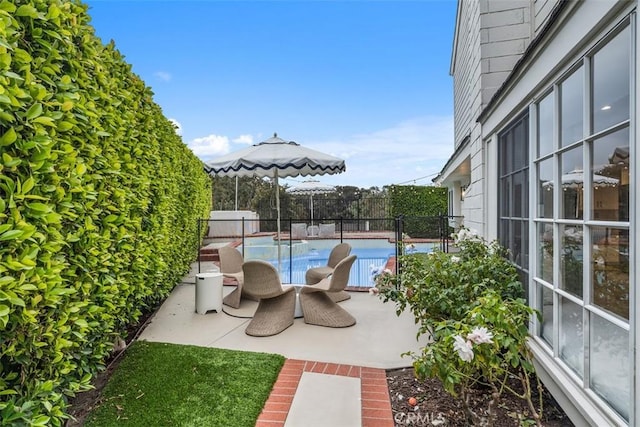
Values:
[(372, 256)]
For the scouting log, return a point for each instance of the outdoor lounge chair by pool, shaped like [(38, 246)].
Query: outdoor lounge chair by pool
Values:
[(299, 230), (317, 306), (327, 230), (231, 261), (276, 308), (316, 274)]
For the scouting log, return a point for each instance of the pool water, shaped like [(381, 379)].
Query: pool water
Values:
[(369, 263)]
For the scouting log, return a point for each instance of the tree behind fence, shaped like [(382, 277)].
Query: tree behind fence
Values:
[(355, 213)]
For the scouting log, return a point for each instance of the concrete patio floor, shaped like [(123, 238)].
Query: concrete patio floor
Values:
[(377, 339), (342, 370)]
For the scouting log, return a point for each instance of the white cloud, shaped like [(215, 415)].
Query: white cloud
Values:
[(210, 146), (162, 76), (244, 139), (177, 125), (411, 152)]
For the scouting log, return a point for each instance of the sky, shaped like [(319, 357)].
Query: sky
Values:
[(366, 81)]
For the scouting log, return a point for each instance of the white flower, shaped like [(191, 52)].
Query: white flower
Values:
[(374, 291), (480, 335), (466, 234), (455, 259), (493, 248), (464, 348), (387, 271)]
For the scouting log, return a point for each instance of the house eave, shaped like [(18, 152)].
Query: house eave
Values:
[(458, 151)]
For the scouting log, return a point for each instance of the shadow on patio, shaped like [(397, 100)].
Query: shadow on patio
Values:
[(377, 339)]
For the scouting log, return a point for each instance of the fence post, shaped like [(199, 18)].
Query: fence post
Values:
[(290, 251), (242, 239), (198, 243), (358, 212), (399, 232)]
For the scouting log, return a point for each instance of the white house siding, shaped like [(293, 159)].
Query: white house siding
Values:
[(465, 69), (490, 37), (575, 32), (505, 32)]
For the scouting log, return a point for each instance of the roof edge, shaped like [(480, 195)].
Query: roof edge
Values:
[(454, 155), (454, 49)]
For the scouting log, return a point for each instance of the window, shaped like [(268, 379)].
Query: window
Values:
[(581, 219), (513, 197)]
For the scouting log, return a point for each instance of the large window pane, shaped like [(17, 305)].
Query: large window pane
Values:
[(572, 184), (519, 195), (545, 125), (506, 153), (609, 366), (521, 145), (571, 341), (505, 235), (545, 189), (505, 199), (525, 245), (571, 259), (546, 309), (610, 177), (517, 243), (571, 108), (611, 82), (545, 252), (610, 262)]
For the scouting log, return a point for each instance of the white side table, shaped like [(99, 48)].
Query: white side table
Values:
[(208, 292), (298, 312)]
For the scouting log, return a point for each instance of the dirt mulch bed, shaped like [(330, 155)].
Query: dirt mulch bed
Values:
[(437, 407)]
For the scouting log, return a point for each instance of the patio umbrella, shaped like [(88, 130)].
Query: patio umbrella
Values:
[(311, 187), (275, 158), (574, 179)]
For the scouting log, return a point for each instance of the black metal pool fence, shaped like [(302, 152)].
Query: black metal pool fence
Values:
[(436, 230)]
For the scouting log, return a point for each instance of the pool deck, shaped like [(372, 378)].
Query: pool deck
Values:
[(341, 371)]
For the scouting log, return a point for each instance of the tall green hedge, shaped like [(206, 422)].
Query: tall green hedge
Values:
[(421, 205), (98, 205)]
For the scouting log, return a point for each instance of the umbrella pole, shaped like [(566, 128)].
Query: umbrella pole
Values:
[(236, 193), (311, 203), (278, 211)]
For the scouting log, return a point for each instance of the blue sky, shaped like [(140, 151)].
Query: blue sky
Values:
[(367, 81)]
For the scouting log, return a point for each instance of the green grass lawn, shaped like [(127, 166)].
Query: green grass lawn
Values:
[(159, 384)]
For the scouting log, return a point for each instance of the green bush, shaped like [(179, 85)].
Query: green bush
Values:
[(422, 205), (470, 304), (486, 348), (443, 286), (98, 205)]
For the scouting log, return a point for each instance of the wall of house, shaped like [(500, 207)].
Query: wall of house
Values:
[(491, 37), (576, 30), (506, 28), (466, 70)]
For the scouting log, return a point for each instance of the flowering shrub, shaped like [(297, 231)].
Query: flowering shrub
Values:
[(470, 304), (487, 347), (442, 286)]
